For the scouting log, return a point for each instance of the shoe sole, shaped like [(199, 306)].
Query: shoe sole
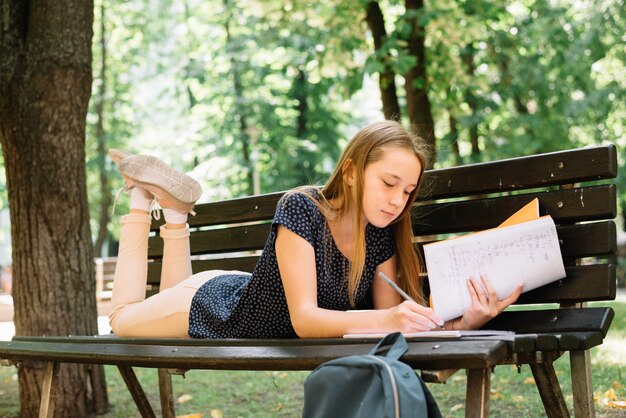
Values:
[(117, 155), (162, 180)]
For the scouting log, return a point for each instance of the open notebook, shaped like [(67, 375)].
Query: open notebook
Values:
[(483, 334), (523, 249)]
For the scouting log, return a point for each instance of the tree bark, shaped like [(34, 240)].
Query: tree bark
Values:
[(45, 83), (416, 80), (386, 78), (300, 94), (105, 189), (240, 101), (454, 138), (470, 98)]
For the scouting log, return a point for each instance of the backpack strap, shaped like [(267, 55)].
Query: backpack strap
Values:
[(394, 345)]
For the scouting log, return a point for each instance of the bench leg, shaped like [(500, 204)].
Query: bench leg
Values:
[(478, 392), (167, 395), (134, 387), (581, 384), (549, 390), (46, 406)]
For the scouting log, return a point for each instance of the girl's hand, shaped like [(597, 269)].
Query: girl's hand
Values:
[(485, 304), (410, 316)]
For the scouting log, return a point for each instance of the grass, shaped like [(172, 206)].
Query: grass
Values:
[(279, 394)]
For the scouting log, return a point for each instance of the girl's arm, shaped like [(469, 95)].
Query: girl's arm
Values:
[(385, 296), (296, 262)]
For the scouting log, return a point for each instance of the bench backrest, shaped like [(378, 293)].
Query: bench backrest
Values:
[(229, 234)]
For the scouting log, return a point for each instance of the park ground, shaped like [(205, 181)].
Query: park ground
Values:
[(225, 394)]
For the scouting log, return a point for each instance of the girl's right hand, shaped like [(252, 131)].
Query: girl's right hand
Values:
[(410, 316)]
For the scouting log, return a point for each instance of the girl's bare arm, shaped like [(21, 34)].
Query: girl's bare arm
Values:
[(296, 261)]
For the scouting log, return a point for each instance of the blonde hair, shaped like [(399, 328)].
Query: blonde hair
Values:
[(367, 146)]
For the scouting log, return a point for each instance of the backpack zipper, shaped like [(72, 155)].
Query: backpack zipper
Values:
[(394, 387)]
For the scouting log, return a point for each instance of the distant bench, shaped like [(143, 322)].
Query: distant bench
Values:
[(229, 234), (105, 270)]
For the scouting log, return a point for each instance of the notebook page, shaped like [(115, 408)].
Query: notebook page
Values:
[(526, 252)]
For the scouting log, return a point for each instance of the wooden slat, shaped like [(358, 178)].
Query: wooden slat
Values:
[(598, 203), (588, 240), (565, 206), (563, 167), (579, 340), (583, 283), (584, 240), (432, 355), (239, 238), (239, 210), (245, 263), (554, 321)]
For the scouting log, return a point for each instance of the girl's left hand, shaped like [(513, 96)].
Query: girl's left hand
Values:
[(485, 304)]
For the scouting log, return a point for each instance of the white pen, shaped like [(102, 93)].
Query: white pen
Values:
[(398, 289)]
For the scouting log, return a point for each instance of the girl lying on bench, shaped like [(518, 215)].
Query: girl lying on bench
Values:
[(325, 249)]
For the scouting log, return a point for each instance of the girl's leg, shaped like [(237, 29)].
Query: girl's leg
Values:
[(165, 314), (129, 281), (176, 265)]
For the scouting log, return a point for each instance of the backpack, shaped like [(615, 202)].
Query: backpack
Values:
[(372, 385)]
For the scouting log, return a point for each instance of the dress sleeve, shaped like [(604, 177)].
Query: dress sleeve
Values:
[(298, 213)]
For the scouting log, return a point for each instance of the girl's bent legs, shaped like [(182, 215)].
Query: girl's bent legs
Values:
[(164, 315), (129, 281), (176, 265)]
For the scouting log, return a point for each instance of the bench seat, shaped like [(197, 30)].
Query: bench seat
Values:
[(571, 187), (245, 354)]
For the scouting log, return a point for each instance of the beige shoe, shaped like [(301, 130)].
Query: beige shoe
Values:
[(118, 155), (171, 188)]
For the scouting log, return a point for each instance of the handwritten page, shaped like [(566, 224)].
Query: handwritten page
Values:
[(526, 252)]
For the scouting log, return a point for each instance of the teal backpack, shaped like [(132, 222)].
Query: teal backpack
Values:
[(374, 385)]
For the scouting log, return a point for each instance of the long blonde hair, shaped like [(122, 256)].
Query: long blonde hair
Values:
[(367, 146)]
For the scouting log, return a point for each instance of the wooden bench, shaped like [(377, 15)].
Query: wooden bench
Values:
[(105, 271), (229, 235)]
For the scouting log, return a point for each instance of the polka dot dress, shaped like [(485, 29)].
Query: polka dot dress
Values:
[(254, 306)]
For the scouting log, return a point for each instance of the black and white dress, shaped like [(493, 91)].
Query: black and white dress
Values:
[(254, 306)]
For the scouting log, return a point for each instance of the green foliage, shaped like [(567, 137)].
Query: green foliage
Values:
[(224, 89)]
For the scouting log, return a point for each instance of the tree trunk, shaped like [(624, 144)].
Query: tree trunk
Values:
[(45, 83), (105, 190), (239, 100), (454, 138), (416, 80), (386, 78), (506, 85), (300, 94), (470, 99)]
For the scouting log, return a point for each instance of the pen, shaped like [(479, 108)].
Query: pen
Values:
[(397, 289)]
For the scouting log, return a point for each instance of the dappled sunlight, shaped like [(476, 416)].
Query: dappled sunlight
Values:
[(612, 351)]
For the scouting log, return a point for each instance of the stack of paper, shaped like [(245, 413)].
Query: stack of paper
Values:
[(524, 249)]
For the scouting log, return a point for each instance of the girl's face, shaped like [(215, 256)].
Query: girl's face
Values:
[(388, 183)]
